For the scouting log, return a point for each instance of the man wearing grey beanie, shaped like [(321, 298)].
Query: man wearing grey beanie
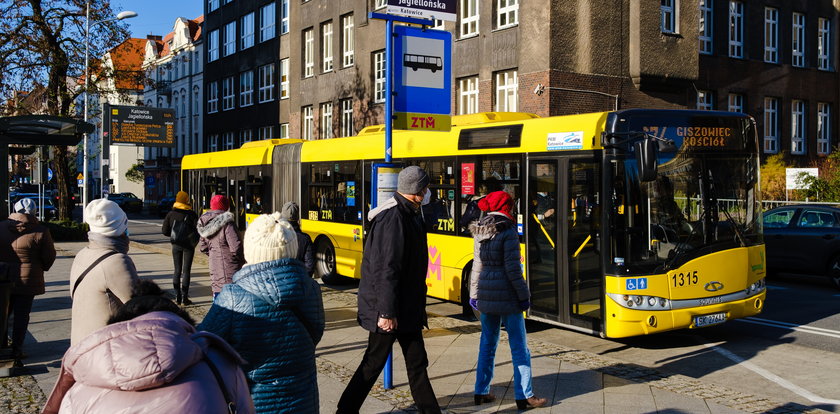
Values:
[(392, 294)]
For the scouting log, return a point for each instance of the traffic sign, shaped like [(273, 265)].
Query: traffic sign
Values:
[(49, 174), (80, 176), (81, 182), (424, 9), (422, 64)]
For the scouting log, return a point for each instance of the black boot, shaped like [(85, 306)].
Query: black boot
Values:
[(187, 300), (178, 296)]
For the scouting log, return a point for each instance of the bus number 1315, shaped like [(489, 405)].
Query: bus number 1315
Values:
[(685, 279)]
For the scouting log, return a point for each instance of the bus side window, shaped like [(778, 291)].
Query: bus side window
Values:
[(439, 213)]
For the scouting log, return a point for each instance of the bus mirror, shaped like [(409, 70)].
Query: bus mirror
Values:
[(646, 159)]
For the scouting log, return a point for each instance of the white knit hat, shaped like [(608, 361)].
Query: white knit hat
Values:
[(26, 206), (269, 238), (106, 218)]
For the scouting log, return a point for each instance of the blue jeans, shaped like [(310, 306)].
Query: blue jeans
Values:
[(521, 356)]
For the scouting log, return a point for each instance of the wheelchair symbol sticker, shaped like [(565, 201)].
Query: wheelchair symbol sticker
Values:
[(637, 283)]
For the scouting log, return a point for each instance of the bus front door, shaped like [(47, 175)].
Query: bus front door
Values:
[(562, 241)]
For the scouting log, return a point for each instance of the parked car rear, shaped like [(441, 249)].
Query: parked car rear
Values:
[(804, 238), (127, 201)]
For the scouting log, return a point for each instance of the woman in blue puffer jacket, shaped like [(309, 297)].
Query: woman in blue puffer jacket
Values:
[(498, 290), (273, 315)]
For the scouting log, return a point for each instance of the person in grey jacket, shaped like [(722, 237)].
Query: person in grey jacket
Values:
[(498, 290), (220, 240)]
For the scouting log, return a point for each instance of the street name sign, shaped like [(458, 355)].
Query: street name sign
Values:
[(140, 125), (422, 79), (424, 9)]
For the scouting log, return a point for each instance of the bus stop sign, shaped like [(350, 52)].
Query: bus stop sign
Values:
[(422, 63)]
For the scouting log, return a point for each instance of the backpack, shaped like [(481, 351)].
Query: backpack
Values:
[(184, 233)]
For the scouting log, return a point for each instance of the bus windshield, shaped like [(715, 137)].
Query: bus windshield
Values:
[(705, 197)]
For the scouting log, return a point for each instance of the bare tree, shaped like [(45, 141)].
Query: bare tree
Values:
[(43, 42)]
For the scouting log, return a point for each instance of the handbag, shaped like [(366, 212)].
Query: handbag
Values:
[(183, 234), (231, 404)]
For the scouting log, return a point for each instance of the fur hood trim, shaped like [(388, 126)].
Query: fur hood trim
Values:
[(215, 224), (491, 225), (391, 203)]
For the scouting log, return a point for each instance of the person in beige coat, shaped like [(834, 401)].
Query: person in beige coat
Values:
[(109, 274), (27, 248)]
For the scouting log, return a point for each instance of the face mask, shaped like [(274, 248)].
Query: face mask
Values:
[(427, 197)]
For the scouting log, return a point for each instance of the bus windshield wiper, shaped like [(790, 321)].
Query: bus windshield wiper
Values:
[(679, 249), (737, 227)]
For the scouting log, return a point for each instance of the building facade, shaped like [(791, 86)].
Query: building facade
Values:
[(174, 68), (775, 60)]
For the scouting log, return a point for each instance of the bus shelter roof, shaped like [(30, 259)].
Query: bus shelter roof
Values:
[(42, 130)]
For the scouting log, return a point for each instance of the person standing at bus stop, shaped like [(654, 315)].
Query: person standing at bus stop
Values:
[(498, 290), (220, 241), (180, 225), (392, 294)]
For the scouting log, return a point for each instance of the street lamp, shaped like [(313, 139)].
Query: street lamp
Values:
[(122, 15)]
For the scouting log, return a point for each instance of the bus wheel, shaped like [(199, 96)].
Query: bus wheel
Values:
[(325, 261), (834, 271)]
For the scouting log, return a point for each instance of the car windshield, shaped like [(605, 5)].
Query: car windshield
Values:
[(702, 200)]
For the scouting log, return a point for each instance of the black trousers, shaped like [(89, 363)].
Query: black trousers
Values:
[(183, 258), (416, 362), (20, 307)]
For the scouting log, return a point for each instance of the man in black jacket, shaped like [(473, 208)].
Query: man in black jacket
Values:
[(392, 294)]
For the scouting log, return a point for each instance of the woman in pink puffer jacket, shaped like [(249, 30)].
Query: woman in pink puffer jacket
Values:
[(153, 363)]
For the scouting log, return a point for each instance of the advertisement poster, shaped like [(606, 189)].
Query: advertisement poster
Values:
[(468, 178)]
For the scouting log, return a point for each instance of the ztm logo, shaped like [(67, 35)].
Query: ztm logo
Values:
[(434, 269), (423, 122)]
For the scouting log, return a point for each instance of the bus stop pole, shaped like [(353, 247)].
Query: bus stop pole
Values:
[(388, 378)]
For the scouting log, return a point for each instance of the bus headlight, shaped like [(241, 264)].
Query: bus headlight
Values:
[(755, 288), (641, 302)]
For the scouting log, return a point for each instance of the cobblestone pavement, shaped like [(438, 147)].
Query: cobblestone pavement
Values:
[(23, 394)]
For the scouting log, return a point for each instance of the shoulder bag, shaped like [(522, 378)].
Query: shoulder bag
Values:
[(92, 265)]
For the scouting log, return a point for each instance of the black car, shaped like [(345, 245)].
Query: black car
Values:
[(127, 201), (165, 205), (804, 238)]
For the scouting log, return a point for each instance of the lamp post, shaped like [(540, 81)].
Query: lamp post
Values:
[(122, 15)]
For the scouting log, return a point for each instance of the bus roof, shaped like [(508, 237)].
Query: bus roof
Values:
[(251, 153)]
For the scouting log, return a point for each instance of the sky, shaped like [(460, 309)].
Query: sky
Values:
[(157, 16)]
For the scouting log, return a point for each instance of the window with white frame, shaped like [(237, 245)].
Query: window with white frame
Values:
[(326, 131), (507, 91), (468, 15), (798, 41), (246, 88), (507, 13), (247, 28), (327, 46), (307, 121), (284, 78), (284, 16), (213, 46), (771, 35), (824, 44), (212, 5), (266, 132), (797, 127), (212, 97), (736, 29), (246, 135), (771, 125), (346, 126), (347, 41), (267, 21), (308, 53), (284, 130), (706, 27), (230, 140), (228, 95), (266, 83), (468, 95), (213, 142), (736, 102), (380, 4), (229, 46), (379, 76), (438, 25), (704, 100), (668, 16), (823, 128)]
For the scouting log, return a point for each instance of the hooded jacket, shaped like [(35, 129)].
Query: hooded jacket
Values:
[(106, 286), (28, 249), (154, 363), (394, 267), (273, 315), (221, 242), (496, 279)]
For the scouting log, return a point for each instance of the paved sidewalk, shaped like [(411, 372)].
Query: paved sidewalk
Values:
[(574, 381)]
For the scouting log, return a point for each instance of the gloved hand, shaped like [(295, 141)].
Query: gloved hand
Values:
[(474, 303), (525, 305)]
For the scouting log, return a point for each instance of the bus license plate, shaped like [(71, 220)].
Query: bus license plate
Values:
[(706, 320)]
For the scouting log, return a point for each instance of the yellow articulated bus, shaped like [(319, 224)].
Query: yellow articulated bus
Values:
[(631, 222)]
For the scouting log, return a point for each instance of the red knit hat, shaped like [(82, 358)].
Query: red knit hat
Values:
[(219, 202), (498, 201)]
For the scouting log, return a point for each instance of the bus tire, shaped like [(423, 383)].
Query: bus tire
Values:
[(325, 261), (834, 271)]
